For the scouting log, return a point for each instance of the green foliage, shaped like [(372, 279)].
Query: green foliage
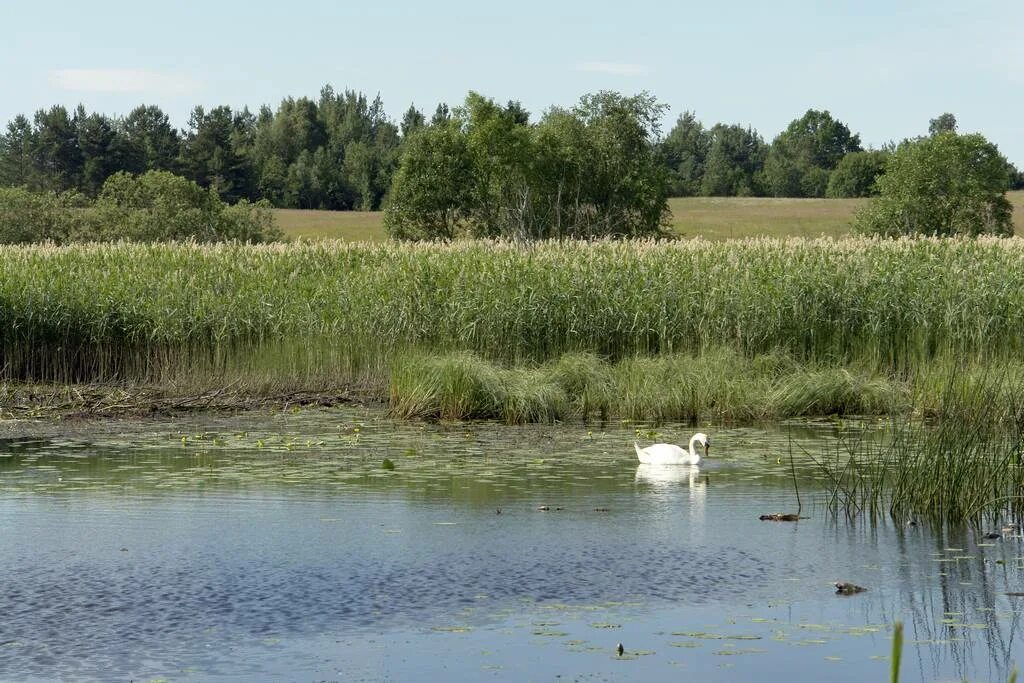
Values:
[(433, 186), (685, 150), (211, 155), (802, 156), (156, 206), (17, 149), (856, 174), (151, 143), (160, 206), (734, 163), (40, 216), (946, 184), (943, 123), (487, 172)]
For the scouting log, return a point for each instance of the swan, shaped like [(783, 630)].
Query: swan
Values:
[(671, 454)]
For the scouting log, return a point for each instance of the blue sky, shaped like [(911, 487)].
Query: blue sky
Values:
[(884, 68)]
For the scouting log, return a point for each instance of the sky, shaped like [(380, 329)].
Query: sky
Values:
[(883, 67)]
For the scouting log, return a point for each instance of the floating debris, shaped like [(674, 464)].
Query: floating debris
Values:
[(387, 464), (780, 517)]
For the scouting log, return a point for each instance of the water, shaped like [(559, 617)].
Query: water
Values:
[(276, 547)]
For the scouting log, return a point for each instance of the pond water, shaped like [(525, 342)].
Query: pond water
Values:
[(277, 546)]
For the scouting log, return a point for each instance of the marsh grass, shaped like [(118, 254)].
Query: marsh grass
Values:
[(124, 311), (963, 463), (718, 384), (646, 330)]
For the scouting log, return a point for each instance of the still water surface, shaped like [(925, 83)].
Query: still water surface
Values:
[(276, 547)]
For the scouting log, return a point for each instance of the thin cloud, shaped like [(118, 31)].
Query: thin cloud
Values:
[(123, 81), (613, 68)]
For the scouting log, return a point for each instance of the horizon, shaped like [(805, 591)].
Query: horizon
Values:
[(883, 71)]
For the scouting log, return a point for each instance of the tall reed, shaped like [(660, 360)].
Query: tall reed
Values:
[(98, 312), (963, 464)]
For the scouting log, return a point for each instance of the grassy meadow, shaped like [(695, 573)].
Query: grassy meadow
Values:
[(707, 217)]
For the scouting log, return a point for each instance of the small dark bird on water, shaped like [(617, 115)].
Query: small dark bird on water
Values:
[(992, 535), (846, 588), (620, 650), (498, 511)]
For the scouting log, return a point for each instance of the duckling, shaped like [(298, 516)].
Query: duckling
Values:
[(780, 517), (846, 588), (619, 650)]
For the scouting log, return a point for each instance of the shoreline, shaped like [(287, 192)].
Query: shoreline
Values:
[(21, 403)]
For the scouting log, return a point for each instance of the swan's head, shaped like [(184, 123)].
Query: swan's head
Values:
[(704, 440)]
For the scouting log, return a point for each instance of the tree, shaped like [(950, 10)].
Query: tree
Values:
[(1016, 178), (152, 144), (17, 150), (946, 184), (58, 156), (685, 150), (802, 156), (856, 174), (442, 114), (209, 155), (27, 216), (590, 171), (431, 189), (943, 123), (412, 120), (627, 185), (102, 150), (499, 142), (734, 162)]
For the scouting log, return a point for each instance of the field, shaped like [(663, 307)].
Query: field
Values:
[(708, 217)]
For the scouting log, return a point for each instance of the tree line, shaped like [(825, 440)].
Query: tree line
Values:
[(341, 151), (335, 152)]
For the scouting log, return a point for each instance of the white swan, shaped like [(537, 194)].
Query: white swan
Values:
[(671, 454)]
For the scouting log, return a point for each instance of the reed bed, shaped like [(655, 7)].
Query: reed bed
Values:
[(151, 312), (961, 467)]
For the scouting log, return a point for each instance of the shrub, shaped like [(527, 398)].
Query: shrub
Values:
[(944, 185)]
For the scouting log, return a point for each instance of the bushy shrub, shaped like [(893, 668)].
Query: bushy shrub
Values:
[(946, 184), (154, 207), (159, 206), (40, 216)]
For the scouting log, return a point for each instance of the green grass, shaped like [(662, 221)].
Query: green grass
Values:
[(717, 385), (708, 217)]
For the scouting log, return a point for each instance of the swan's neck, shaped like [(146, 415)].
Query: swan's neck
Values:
[(693, 440)]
